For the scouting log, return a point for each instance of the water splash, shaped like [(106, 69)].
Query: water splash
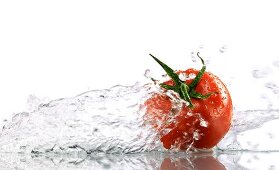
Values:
[(95, 121), (110, 121), (107, 121), (245, 122)]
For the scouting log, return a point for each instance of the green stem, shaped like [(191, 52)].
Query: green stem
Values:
[(186, 92), (199, 75)]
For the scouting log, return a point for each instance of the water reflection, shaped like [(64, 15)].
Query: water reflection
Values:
[(230, 160), (148, 161), (199, 162)]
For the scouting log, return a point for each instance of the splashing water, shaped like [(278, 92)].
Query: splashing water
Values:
[(95, 121), (107, 121), (111, 121)]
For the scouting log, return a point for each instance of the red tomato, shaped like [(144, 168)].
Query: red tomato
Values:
[(201, 126)]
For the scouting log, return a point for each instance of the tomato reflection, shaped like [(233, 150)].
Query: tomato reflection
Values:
[(193, 162)]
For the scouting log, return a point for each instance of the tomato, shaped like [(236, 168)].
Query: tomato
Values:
[(201, 123)]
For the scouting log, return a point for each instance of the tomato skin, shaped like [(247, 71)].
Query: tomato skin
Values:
[(216, 111)]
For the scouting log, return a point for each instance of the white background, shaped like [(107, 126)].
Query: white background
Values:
[(60, 48)]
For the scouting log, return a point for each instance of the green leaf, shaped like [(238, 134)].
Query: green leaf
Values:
[(168, 87), (185, 94), (197, 95), (168, 70), (198, 76)]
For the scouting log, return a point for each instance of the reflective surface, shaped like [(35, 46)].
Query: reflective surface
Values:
[(148, 161)]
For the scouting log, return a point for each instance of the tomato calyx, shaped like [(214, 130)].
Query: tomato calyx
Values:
[(186, 92)]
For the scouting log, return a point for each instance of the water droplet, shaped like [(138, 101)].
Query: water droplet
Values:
[(147, 73), (196, 135), (185, 135), (183, 76), (189, 113), (276, 64), (270, 135), (223, 49), (201, 47), (203, 123), (273, 87), (262, 73), (186, 103), (193, 57), (192, 76), (215, 111), (164, 75)]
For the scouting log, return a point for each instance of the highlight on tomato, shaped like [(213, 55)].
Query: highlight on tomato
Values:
[(194, 111)]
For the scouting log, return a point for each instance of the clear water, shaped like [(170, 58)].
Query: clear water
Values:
[(107, 121), (79, 132)]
